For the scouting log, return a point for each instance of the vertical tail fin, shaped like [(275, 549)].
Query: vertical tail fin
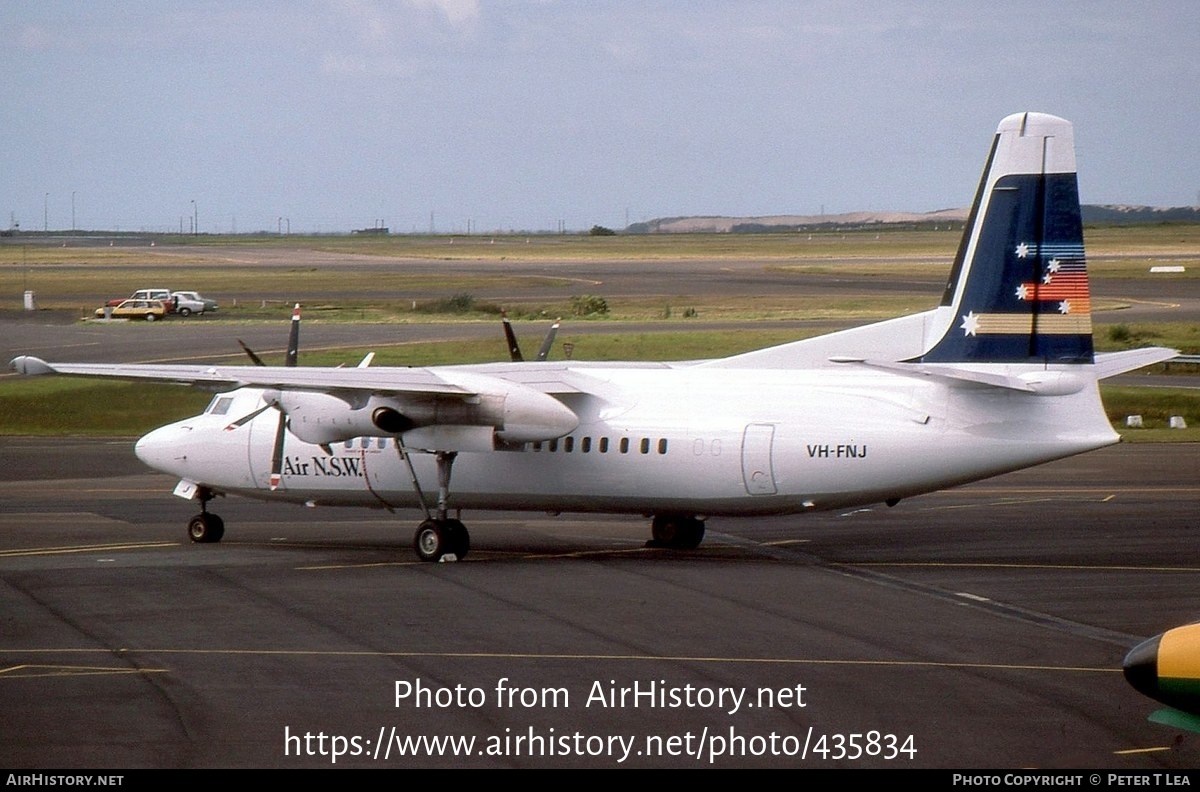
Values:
[(1018, 291)]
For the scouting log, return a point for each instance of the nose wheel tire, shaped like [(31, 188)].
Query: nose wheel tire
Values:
[(206, 528)]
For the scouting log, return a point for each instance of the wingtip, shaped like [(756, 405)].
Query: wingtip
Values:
[(30, 365)]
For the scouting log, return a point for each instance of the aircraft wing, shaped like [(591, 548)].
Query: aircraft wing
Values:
[(334, 404), (548, 378), (320, 379)]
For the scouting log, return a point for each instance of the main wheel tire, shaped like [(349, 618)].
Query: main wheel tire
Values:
[(206, 528), (664, 529), (431, 541), (460, 538), (692, 534), (677, 532)]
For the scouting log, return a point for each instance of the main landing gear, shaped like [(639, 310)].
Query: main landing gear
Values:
[(205, 527), (441, 535), (676, 531)]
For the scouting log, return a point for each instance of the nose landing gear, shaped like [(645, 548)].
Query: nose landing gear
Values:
[(205, 527)]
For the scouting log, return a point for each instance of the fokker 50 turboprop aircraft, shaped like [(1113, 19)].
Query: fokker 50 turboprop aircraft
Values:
[(1000, 376)]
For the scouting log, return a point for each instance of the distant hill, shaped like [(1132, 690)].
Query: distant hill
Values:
[(1137, 215), (1098, 214)]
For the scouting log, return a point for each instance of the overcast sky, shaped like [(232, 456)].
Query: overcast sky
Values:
[(520, 114)]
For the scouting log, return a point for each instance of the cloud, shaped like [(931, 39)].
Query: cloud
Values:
[(456, 12), (35, 39)]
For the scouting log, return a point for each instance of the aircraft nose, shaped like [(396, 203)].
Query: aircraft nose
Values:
[(1167, 668), (161, 449), (1141, 667)]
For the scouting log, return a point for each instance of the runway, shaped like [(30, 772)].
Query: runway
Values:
[(981, 628)]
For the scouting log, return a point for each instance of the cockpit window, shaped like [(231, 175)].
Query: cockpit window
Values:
[(219, 405)]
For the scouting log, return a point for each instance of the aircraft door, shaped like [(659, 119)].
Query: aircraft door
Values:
[(758, 472), (260, 442)]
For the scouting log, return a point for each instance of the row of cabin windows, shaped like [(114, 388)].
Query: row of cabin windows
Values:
[(585, 445), (220, 406), (566, 444)]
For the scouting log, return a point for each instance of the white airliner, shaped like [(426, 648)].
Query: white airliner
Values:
[(1000, 376)]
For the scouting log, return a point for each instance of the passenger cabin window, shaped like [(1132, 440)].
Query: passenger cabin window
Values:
[(568, 444), (585, 445), (662, 445), (645, 445), (624, 445), (603, 445)]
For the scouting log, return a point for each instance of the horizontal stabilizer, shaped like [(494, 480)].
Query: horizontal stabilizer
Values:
[(1040, 382), (1109, 364), (952, 374)]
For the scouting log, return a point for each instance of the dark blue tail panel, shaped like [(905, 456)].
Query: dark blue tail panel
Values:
[(1026, 297)]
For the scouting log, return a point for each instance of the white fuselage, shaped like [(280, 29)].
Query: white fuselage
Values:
[(697, 441)]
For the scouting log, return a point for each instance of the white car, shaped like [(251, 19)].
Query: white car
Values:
[(190, 302), (162, 295)]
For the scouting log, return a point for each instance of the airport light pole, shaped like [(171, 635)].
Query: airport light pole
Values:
[(46, 213), (195, 219)]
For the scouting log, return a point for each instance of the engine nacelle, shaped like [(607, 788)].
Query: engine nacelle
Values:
[(515, 413), (322, 419)]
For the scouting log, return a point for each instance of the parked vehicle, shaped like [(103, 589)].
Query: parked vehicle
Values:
[(162, 295), (149, 310), (190, 302)]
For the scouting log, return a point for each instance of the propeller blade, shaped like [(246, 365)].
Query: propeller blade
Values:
[(253, 357), (293, 349), (277, 452), (514, 350), (245, 419), (544, 351)]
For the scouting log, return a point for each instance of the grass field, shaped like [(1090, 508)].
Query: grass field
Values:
[(68, 275)]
